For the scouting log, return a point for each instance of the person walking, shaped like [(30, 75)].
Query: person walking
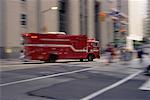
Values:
[(110, 51), (140, 54), (22, 56), (125, 55), (147, 65), (147, 71)]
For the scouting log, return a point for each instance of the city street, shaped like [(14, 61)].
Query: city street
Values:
[(74, 80), (75, 50)]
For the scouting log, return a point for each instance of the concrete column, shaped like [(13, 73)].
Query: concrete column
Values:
[(38, 10), (11, 27), (74, 16), (33, 18), (2, 22), (106, 32), (91, 19), (106, 26), (50, 18), (1, 33), (2, 38), (12, 23)]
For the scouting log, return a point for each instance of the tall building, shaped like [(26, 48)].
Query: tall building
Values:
[(122, 24), (137, 10), (148, 19), (70, 16), (111, 28)]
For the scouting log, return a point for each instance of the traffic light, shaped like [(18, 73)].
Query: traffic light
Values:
[(102, 16)]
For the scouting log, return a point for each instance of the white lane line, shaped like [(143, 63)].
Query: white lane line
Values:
[(43, 77), (111, 86), (146, 86)]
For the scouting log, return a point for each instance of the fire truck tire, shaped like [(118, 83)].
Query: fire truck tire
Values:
[(90, 57), (52, 58), (81, 60)]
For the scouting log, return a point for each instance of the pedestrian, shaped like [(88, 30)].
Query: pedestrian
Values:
[(128, 55), (140, 54), (122, 54), (109, 52), (22, 56), (147, 71), (114, 52), (147, 64)]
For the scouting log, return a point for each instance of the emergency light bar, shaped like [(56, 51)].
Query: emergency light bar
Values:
[(34, 37)]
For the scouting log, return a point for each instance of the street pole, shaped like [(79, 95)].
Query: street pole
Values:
[(42, 13)]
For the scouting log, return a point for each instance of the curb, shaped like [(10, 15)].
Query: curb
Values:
[(19, 62)]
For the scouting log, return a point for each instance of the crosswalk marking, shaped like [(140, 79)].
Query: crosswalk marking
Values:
[(146, 86), (44, 77), (101, 91)]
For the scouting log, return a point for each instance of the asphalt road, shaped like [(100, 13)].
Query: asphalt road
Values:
[(73, 81)]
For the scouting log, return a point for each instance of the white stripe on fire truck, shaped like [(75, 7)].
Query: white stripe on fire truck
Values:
[(55, 39), (56, 45)]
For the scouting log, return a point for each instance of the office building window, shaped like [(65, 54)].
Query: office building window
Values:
[(63, 15), (97, 22), (23, 19), (24, 0), (23, 22), (83, 16), (23, 16)]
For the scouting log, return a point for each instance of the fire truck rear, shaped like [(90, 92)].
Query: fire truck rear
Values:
[(49, 47)]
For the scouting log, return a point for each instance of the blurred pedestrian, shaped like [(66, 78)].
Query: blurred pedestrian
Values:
[(147, 65), (110, 51), (147, 71), (22, 56), (122, 54), (140, 54), (114, 52)]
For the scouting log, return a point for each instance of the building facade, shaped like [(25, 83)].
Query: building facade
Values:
[(70, 16), (147, 33), (116, 11), (137, 12)]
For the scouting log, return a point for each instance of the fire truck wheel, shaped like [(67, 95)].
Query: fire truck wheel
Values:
[(81, 60), (90, 57), (52, 58)]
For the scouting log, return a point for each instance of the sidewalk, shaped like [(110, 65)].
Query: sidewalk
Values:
[(103, 59), (17, 61), (134, 63), (116, 62)]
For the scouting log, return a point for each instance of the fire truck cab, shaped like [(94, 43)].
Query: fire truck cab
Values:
[(51, 46)]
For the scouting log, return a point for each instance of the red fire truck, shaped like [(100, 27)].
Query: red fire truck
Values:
[(57, 45)]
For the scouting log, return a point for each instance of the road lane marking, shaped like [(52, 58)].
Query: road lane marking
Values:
[(23, 66), (146, 86), (111, 86), (43, 77)]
